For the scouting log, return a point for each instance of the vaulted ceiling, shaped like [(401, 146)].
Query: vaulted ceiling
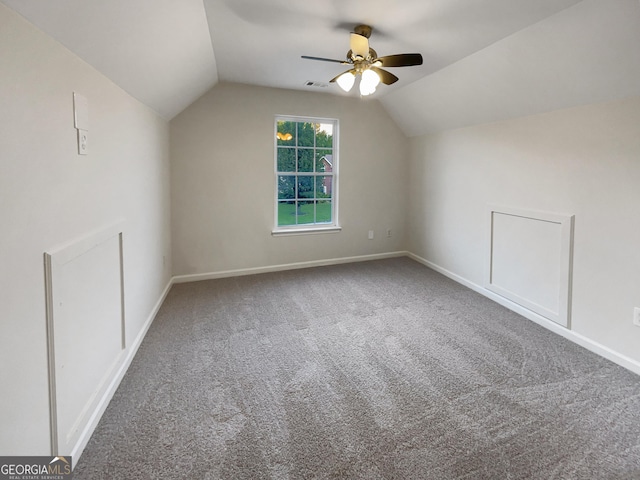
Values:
[(484, 60)]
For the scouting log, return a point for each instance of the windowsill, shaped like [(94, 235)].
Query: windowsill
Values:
[(283, 232)]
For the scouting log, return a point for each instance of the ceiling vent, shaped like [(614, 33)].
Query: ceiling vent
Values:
[(310, 83)]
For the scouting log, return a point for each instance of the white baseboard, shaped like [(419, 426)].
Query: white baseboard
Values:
[(591, 345), (115, 381), (285, 266)]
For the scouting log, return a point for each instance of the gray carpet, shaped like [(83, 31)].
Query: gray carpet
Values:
[(374, 370)]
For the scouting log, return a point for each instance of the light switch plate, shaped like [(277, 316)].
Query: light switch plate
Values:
[(80, 112)]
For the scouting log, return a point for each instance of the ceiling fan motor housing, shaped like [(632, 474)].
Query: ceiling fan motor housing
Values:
[(364, 30)]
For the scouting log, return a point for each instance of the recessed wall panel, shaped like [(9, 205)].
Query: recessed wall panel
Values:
[(85, 322), (530, 260)]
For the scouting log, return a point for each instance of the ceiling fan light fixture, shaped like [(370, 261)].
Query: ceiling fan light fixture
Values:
[(366, 63), (369, 82), (346, 81)]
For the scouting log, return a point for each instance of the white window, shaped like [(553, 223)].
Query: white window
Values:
[(306, 175)]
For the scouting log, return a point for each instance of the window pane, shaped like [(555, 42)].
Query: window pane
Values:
[(306, 213), (305, 160), (323, 211), (306, 134), (324, 186), (286, 133), (306, 172), (286, 159), (324, 161), (305, 187), (286, 186), (324, 135), (286, 213)]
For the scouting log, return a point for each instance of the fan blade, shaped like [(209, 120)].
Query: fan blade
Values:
[(343, 62), (400, 60), (338, 76), (385, 77), (359, 45)]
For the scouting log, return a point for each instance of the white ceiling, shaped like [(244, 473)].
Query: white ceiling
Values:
[(159, 51), (484, 60), (261, 42), (586, 54)]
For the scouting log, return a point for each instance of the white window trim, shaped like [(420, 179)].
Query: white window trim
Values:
[(308, 229), (304, 231)]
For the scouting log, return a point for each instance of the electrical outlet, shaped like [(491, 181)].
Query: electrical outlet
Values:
[(636, 316), (83, 142), (389, 233), (370, 234)]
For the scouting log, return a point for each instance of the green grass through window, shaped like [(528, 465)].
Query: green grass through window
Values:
[(287, 214)]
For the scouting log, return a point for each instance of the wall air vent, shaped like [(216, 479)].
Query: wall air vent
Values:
[(310, 83)]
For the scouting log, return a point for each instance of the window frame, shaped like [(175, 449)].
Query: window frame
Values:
[(307, 228)]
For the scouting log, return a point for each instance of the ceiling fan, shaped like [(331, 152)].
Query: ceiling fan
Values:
[(366, 63)]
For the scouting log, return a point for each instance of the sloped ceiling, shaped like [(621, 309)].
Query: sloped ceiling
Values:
[(586, 54), (159, 51), (483, 60), (261, 42)]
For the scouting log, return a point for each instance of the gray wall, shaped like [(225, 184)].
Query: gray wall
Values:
[(581, 161), (50, 196), (223, 188)]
